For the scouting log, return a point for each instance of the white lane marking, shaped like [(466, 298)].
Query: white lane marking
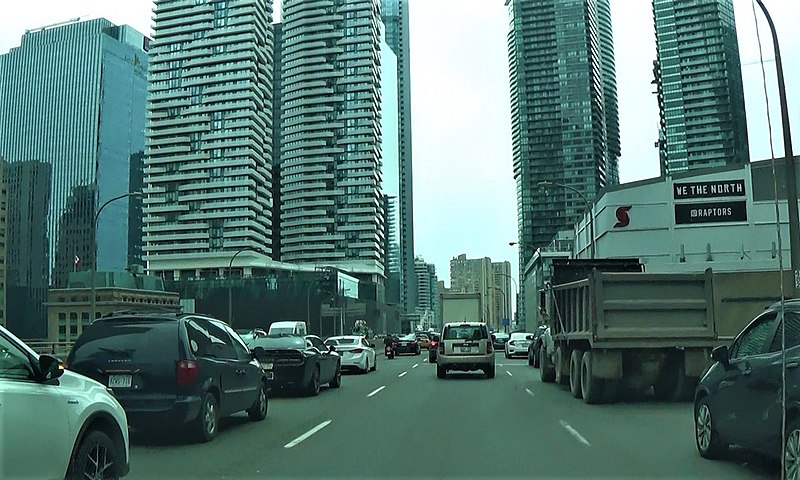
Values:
[(402, 374), (424, 360), (376, 390), (529, 391), (415, 365), (509, 373), (575, 433), (307, 434), (499, 364)]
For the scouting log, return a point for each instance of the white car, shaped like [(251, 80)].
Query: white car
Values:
[(56, 423), (356, 352), (517, 345)]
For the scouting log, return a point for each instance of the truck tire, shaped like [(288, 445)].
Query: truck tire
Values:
[(560, 363), (575, 361), (591, 386), (673, 385), (547, 373)]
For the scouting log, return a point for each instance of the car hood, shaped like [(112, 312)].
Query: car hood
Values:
[(77, 382)]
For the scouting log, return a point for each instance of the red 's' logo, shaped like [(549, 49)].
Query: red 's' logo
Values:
[(623, 220)]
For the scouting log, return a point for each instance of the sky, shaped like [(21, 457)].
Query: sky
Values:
[(464, 191)]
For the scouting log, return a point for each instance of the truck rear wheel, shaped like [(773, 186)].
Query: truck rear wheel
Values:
[(575, 360), (546, 372), (591, 386), (560, 363)]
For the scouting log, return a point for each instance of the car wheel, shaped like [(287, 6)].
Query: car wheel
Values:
[(95, 457), (575, 360), (536, 362), (258, 411), (375, 366), (441, 372), (337, 378), (208, 420), (366, 367), (547, 373), (313, 385), (489, 372), (791, 452), (708, 442)]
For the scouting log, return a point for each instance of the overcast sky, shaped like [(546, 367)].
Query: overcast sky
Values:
[(465, 198)]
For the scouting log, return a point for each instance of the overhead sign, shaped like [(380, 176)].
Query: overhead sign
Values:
[(721, 188), (687, 213)]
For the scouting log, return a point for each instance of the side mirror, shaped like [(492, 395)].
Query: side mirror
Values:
[(494, 337), (720, 354), (50, 368), (529, 337), (258, 352), (331, 348)]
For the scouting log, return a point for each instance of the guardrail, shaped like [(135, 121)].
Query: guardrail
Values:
[(58, 349)]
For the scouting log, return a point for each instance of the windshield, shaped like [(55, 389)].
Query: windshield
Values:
[(281, 330)]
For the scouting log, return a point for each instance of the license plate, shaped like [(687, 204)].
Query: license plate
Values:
[(466, 349), (119, 381), (266, 366), (270, 375)]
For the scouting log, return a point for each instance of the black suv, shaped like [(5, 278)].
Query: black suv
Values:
[(181, 370)]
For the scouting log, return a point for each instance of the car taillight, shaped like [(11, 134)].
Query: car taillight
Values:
[(357, 350), (186, 372), (433, 344), (441, 348), (413, 342), (511, 342)]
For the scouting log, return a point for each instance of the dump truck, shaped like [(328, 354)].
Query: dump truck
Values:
[(631, 331)]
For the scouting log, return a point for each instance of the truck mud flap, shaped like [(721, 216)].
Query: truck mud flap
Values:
[(607, 364)]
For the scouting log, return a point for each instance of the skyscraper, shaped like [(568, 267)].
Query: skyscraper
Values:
[(564, 115), (208, 165), (699, 80), (28, 186), (74, 98), (331, 185), (395, 18), (3, 240)]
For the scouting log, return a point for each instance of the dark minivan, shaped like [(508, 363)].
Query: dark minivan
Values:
[(167, 370)]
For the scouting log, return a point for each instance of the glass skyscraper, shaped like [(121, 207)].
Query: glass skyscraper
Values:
[(700, 90), (564, 116), (395, 18), (73, 96)]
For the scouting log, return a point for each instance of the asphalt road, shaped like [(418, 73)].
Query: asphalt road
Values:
[(403, 422)]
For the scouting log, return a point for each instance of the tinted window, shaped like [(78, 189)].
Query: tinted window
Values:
[(279, 330), (753, 341), (137, 339), (239, 346), (342, 341), (317, 343), (519, 336), (221, 345), (476, 332), (792, 332)]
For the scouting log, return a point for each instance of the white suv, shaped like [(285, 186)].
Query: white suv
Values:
[(55, 423), (465, 347)]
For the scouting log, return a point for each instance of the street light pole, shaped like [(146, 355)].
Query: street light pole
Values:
[(92, 288), (791, 182), (589, 206), (230, 284)]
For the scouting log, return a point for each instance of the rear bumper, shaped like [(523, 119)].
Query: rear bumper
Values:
[(517, 352), (182, 411), (465, 362), (289, 377)]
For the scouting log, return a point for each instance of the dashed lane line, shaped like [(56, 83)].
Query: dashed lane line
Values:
[(402, 374), (575, 433), (376, 390), (304, 436)]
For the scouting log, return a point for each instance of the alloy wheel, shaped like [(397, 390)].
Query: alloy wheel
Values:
[(703, 427), (99, 466), (210, 417), (791, 455)]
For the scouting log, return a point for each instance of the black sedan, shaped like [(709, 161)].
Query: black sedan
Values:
[(407, 344), (738, 400), (535, 345), (299, 363)]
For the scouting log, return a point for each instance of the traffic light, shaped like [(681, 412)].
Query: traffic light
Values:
[(327, 283)]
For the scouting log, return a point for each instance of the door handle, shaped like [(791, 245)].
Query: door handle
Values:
[(792, 365), (240, 372)]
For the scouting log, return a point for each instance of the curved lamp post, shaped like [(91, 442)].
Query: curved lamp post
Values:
[(589, 206), (230, 283), (92, 287)]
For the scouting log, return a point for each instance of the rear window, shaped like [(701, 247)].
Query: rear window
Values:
[(341, 341), (519, 336), (280, 330), (467, 332), (276, 342), (136, 339)]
